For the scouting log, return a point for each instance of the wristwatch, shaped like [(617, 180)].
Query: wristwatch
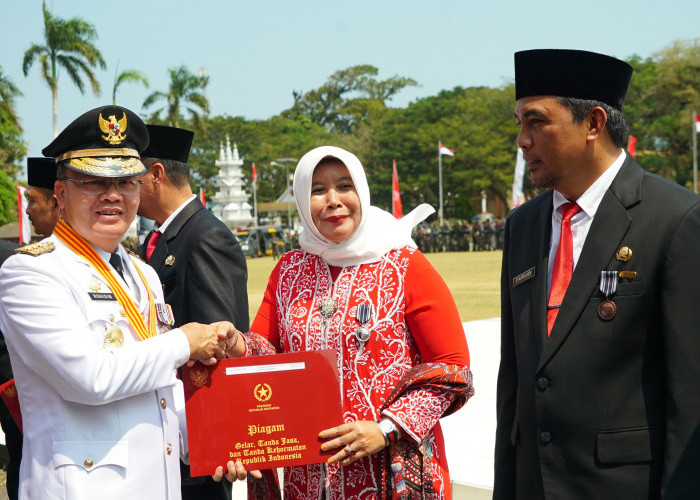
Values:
[(389, 430)]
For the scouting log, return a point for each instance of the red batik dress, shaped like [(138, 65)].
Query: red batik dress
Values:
[(414, 326)]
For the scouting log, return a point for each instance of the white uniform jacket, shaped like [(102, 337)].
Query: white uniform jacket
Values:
[(100, 422)]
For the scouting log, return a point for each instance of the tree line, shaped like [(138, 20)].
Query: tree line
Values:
[(352, 109)]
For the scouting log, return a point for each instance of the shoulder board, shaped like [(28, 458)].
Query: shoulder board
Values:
[(36, 249), (134, 254)]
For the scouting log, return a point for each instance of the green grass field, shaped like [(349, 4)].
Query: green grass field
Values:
[(473, 278)]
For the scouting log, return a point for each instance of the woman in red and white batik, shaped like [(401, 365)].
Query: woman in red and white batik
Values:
[(360, 286)]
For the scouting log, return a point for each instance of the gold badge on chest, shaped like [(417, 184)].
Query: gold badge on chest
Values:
[(94, 285), (624, 254), (114, 337)]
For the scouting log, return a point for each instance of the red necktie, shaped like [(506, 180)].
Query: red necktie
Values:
[(563, 266), (152, 242)]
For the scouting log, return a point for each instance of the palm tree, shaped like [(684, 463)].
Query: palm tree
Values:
[(12, 147), (8, 92), (127, 75), (68, 46), (185, 88)]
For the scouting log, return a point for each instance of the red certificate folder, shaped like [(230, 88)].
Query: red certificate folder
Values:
[(266, 411), (8, 394)]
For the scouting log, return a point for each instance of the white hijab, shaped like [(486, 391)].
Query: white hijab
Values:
[(378, 231)]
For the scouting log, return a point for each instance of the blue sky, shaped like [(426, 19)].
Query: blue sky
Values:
[(258, 52)]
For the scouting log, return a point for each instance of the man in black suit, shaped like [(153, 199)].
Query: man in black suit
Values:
[(42, 206), (197, 258), (597, 387)]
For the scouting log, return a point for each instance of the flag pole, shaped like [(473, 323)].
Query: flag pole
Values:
[(695, 154), (440, 181), (255, 197)]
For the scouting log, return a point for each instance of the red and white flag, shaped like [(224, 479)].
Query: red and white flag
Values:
[(396, 208), (201, 197), (697, 123), (632, 145), (25, 226), (445, 151), (255, 173)]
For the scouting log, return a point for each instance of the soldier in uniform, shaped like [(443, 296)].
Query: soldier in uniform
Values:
[(42, 206), (197, 258), (89, 334)]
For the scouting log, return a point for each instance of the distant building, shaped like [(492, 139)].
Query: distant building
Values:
[(230, 203)]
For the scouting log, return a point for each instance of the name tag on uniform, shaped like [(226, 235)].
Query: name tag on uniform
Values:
[(523, 277), (102, 296)]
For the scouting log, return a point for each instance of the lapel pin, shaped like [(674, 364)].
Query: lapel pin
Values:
[(624, 254)]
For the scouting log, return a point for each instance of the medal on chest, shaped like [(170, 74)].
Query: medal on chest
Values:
[(607, 309), (363, 316), (114, 337)]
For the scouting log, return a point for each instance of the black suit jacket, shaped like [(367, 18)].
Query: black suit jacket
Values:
[(207, 280), (601, 409), (204, 276)]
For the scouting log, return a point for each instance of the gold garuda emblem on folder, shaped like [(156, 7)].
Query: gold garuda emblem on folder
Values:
[(199, 375)]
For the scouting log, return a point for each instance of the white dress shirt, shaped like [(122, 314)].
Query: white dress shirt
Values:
[(581, 222), (161, 229)]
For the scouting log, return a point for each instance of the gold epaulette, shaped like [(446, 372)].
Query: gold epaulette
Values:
[(134, 254), (38, 248)]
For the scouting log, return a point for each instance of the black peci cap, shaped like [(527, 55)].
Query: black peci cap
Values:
[(572, 73), (168, 143), (41, 172), (104, 142)]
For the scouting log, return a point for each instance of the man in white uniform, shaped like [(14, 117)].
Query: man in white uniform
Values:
[(89, 334)]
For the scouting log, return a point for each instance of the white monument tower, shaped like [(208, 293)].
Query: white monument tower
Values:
[(230, 203)]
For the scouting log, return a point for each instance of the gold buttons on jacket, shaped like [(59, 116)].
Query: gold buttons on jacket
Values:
[(163, 403), (169, 449), (87, 463)]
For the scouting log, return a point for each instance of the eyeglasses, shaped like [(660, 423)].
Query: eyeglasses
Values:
[(127, 187)]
